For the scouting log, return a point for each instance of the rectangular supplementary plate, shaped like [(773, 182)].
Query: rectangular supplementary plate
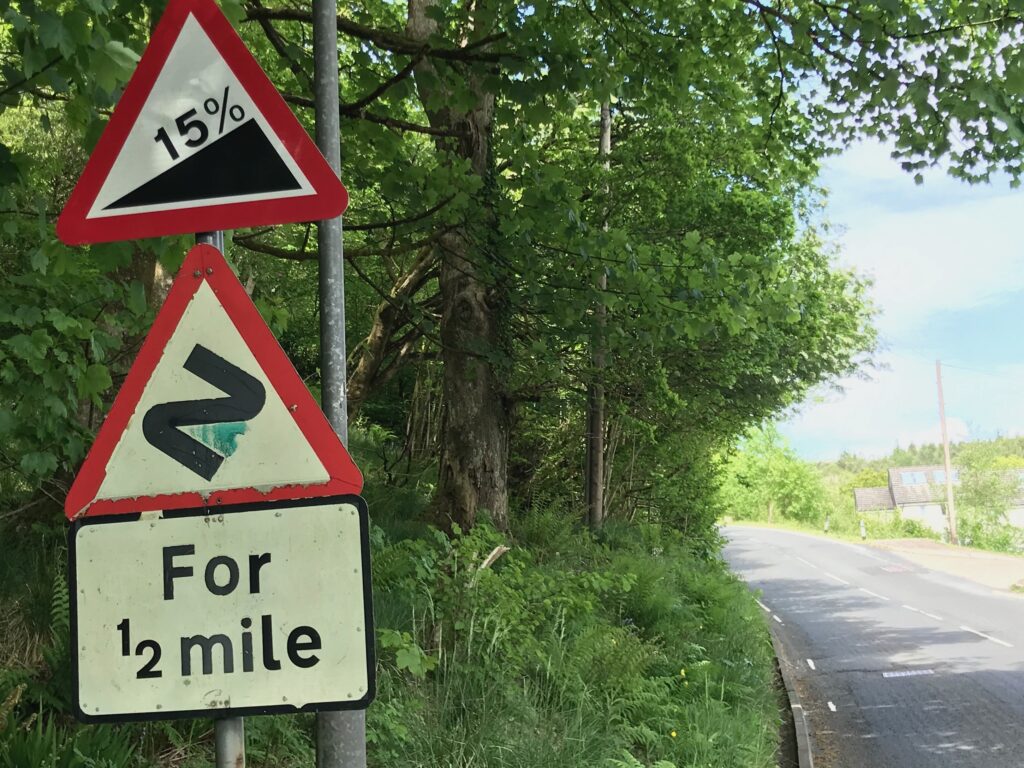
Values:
[(255, 609)]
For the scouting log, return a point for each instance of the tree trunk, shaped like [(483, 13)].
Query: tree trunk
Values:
[(391, 315), (473, 472), (595, 389)]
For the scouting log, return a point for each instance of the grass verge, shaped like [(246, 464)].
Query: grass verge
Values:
[(628, 650)]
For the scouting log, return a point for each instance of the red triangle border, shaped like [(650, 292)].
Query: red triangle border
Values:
[(330, 199), (205, 263)]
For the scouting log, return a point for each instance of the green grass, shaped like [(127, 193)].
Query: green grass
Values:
[(840, 528), (628, 650)]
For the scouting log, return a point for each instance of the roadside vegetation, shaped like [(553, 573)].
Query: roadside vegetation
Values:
[(765, 481), (564, 650), (585, 255)]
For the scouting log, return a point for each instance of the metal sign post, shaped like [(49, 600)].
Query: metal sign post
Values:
[(340, 736), (228, 732)]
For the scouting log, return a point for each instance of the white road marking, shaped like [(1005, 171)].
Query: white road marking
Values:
[(987, 637), (776, 618), (833, 576), (923, 613), (909, 673), (861, 551), (765, 607), (810, 663), (873, 594), (808, 563), (832, 706)]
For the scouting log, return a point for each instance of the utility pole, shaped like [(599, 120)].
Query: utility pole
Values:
[(340, 736), (950, 507), (228, 732), (595, 389)]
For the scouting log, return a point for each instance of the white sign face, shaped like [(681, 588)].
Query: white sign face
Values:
[(198, 122), (251, 611), (250, 440)]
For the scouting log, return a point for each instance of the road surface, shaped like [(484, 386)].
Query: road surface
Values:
[(897, 666)]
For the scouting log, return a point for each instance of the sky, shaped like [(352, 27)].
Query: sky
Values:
[(947, 261)]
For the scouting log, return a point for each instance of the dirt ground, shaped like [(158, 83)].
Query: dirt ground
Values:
[(991, 569)]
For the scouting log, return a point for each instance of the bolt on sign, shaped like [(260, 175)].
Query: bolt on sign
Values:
[(253, 609), (200, 140)]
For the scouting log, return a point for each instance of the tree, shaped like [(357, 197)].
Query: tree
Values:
[(483, 218), (765, 480)]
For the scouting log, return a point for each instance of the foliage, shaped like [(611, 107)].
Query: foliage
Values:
[(990, 485), (484, 233), (765, 479), (570, 653), (565, 651)]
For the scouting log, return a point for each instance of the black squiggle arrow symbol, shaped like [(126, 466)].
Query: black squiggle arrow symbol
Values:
[(246, 397)]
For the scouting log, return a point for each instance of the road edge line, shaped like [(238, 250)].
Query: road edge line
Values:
[(804, 753)]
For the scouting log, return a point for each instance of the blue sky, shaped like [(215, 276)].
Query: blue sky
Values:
[(947, 260)]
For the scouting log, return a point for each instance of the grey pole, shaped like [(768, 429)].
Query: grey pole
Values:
[(340, 736), (216, 239), (229, 738), (950, 505), (228, 732)]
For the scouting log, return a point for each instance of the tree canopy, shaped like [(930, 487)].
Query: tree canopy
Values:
[(486, 229)]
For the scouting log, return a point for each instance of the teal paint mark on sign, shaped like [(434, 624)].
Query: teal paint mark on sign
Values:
[(221, 437)]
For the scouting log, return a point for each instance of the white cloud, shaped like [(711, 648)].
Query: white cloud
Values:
[(957, 256), (931, 250), (899, 406)]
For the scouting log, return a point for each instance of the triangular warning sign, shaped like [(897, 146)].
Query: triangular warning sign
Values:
[(212, 412), (201, 140)]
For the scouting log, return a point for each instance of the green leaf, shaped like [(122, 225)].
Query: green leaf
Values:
[(53, 34), (38, 463), (137, 298), (121, 54), (94, 381), (33, 58), (7, 421), (39, 260)]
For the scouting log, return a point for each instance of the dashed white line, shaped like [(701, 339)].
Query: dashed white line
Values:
[(776, 618), (833, 576), (987, 637), (873, 594), (832, 707), (810, 663), (765, 607), (862, 551), (807, 563), (923, 613)]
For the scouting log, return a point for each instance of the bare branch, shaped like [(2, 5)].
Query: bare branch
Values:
[(389, 40), (362, 114)]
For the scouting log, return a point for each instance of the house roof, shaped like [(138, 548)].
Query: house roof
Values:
[(869, 499), (923, 484), (932, 490)]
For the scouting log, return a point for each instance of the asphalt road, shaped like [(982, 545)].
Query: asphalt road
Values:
[(896, 666)]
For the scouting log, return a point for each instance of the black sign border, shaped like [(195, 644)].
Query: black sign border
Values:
[(206, 713)]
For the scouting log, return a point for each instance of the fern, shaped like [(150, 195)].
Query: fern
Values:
[(60, 602)]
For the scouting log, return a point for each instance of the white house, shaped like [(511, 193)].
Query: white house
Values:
[(919, 493)]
